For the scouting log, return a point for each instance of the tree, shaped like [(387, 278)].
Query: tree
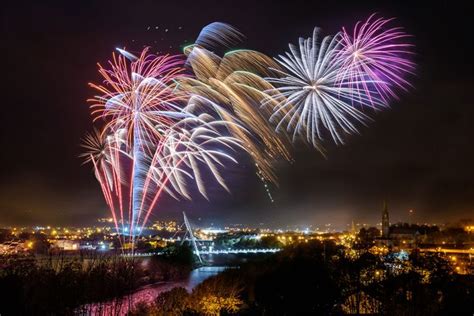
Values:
[(5, 235), (217, 294), (40, 243), (174, 302)]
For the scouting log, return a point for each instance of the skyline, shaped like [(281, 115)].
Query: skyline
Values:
[(313, 227), (416, 155)]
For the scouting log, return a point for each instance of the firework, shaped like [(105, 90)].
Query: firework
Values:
[(169, 122), (378, 55), (151, 141), (232, 85), (135, 100), (218, 34), (192, 146), (311, 96), (138, 96)]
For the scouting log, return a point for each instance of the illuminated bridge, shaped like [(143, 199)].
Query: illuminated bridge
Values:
[(196, 244), (209, 252), (198, 252), (238, 251)]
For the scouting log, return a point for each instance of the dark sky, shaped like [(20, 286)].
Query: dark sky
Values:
[(417, 155)]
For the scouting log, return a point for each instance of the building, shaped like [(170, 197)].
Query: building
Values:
[(13, 247), (65, 244), (405, 235)]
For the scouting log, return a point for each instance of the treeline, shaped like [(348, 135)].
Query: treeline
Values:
[(59, 285), (323, 279), (244, 241), (64, 285)]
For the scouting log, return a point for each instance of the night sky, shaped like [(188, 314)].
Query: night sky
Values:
[(417, 155)]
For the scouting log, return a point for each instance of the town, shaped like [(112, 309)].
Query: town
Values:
[(454, 243)]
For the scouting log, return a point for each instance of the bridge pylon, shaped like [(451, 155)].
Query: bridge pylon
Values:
[(190, 236)]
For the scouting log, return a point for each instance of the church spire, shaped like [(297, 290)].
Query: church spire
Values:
[(385, 221)]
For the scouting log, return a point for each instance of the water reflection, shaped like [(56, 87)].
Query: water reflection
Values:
[(199, 275)]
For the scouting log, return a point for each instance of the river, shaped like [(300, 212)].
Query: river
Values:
[(148, 293)]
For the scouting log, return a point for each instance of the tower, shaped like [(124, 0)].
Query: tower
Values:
[(353, 228), (385, 221)]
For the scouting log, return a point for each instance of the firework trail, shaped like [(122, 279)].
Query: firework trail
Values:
[(135, 98), (233, 86), (218, 34), (152, 141)]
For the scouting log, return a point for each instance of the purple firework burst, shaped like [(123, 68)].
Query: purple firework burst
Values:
[(376, 57)]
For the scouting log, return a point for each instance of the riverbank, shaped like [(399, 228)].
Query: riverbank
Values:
[(147, 294)]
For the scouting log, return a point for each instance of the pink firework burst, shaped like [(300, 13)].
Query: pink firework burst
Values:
[(153, 139)]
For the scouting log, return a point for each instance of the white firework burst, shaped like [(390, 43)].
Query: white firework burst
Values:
[(311, 98)]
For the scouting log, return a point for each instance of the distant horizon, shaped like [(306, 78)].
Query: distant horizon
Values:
[(208, 223)]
